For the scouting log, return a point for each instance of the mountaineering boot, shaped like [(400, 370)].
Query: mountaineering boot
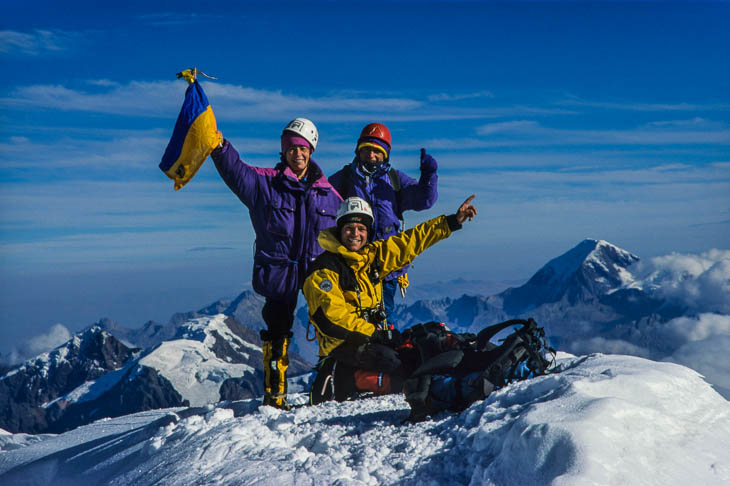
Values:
[(276, 361)]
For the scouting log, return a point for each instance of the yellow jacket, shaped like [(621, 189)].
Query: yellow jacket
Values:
[(332, 295)]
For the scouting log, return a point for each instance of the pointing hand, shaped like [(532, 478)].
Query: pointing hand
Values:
[(466, 210)]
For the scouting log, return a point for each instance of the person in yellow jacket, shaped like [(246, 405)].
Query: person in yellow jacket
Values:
[(344, 297)]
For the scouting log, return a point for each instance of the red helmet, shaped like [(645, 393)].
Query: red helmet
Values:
[(376, 130)]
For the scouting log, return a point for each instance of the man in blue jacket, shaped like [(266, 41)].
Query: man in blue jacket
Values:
[(289, 205), (389, 192)]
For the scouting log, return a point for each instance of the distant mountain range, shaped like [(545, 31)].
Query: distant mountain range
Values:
[(587, 292), (193, 360), (587, 299)]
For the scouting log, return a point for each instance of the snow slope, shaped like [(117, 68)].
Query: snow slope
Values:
[(606, 419), (192, 367)]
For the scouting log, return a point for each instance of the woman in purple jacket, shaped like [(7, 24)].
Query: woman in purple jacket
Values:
[(389, 192), (289, 205)]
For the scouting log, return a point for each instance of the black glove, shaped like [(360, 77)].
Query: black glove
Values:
[(386, 337)]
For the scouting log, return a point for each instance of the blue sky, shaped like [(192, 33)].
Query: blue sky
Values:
[(569, 120)]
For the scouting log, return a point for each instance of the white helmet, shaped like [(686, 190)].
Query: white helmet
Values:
[(305, 129), (354, 209)]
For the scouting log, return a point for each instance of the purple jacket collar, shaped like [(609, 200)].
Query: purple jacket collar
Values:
[(314, 174)]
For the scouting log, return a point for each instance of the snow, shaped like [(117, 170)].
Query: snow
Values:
[(46, 361), (10, 442), (93, 389), (194, 371), (603, 247), (191, 366), (701, 282), (626, 278), (605, 419), (205, 326)]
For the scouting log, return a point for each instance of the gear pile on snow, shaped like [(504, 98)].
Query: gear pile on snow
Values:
[(440, 370), (455, 370)]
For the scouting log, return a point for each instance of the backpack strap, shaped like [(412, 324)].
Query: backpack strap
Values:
[(394, 180), (526, 347), (486, 334), (397, 186)]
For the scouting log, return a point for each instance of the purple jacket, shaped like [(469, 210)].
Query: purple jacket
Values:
[(287, 215), (388, 206)]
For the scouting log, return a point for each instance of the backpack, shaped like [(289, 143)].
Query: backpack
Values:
[(454, 370)]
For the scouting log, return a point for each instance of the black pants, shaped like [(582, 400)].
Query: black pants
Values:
[(278, 315)]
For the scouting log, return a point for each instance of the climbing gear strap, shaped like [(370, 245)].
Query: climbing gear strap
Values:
[(403, 284), (306, 336)]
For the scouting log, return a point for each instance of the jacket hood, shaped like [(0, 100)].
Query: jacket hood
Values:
[(328, 240)]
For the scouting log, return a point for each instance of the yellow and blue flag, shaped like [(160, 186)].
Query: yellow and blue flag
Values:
[(194, 137)]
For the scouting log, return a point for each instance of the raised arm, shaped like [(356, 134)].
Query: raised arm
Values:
[(420, 195), (401, 249), (241, 178)]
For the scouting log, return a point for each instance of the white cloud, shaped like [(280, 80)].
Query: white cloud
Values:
[(163, 99), (460, 96), (35, 43), (531, 133), (633, 106), (130, 150), (699, 281), (232, 94), (683, 330), (134, 99), (695, 122), (603, 345), (513, 127), (710, 358), (103, 82), (56, 335), (240, 103)]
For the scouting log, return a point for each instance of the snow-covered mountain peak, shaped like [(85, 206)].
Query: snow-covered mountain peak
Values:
[(83, 344), (597, 254), (604, 248), (38, 382), (591, 269), (208, 330), (205, 352)]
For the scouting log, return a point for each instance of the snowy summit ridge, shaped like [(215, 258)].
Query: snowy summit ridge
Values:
[(591, 269), (602, 420)]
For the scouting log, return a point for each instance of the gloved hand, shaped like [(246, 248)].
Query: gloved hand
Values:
[(389, 337), (428, 163)]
